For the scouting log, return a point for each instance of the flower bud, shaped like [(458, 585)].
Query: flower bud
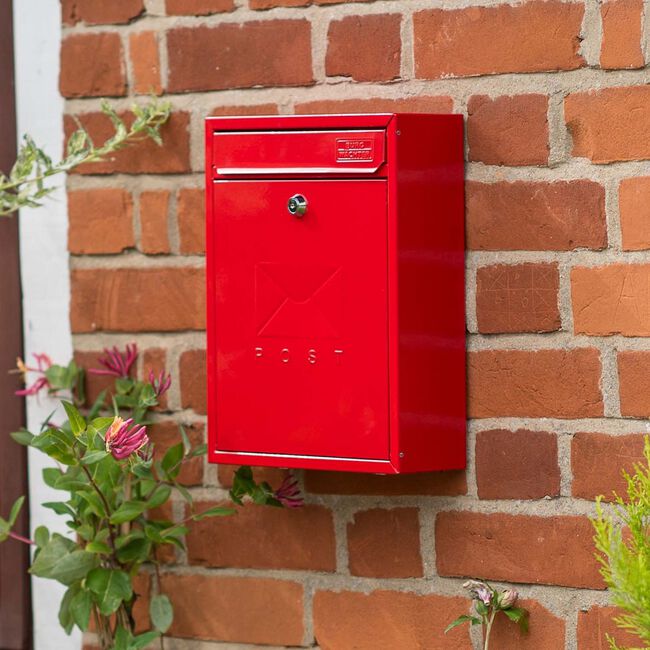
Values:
[(508, 598)]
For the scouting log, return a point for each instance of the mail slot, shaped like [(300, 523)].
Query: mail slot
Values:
[(335, 279)]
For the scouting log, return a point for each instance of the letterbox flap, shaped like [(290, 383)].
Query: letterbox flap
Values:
[(258, 153)]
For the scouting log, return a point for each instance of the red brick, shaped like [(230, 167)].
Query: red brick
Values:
[(197, 7), (597, 462), (92, 65), (137, 300), (610, 124), (540, 383), (366, 48), (270, 4), (369, 554), (546, 631), (517, 464), (508, 130), (531, 37), (100, 12), (271, 475), (611, 299), (596, 623), (268, 53), (536, 215), (242, 610), (556, 550), (517, 298), (190, 213), (154, 235), (254, 109), (633, 367), (434, 483), (100, 221), (166, 434), (388, 620), (145, 62), (421, 104), (634, 208), (194, 392), (283, 542), (155, 360), (621, 46), (144, 157)]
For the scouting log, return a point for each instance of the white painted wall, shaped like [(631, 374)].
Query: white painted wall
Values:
[(44, 267)]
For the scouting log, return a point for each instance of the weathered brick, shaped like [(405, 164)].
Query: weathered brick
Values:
[(145, 63), (197, 7), (633, 368), (369, 554), (517, 464), (194, 393), (190, 214), (634, 209), (137, 300), (366, 48), (100, 221), (596, 623), (267, 53), (517, 548), (144, 157), (92, 65), (420, 104), (611, 299), (534, 215), (387, 620), (253, 109), (270, 4), (284, 543), (99, 12), (621, 44), (242, 609), (545, 630), (508, 130), (517, 298), (541, 383), (597, 461), (610, 124), (531, 37), (165, 434), (452, 483), (154, 235)]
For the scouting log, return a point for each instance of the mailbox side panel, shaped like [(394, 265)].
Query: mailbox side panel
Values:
[(428, 275)]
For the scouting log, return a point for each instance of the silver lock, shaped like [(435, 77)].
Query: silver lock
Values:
[(297, 205)]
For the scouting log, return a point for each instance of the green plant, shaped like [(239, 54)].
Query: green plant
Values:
[(488, 602), (623, 550), (25, 185), (113, 485)]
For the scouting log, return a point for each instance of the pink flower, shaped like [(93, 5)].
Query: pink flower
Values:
[(43, 362), (117, 363), (122, 439), (288, 494), (161, 383), (479, 591)]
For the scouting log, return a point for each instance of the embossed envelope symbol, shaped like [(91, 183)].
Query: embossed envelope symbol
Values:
[(298, 301)]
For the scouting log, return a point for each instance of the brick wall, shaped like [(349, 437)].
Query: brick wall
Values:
[(558, 132)]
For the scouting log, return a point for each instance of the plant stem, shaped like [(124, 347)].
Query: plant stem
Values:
[(488, 629), (22, 539), (107, 507)]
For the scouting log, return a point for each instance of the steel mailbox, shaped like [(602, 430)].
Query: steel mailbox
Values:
[(335, 277)]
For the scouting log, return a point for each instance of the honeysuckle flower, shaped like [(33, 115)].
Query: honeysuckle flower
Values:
[(117, 363), (43, 362), (122, 439), (288, 494), (479, 591), (508, 598), (161, 383)]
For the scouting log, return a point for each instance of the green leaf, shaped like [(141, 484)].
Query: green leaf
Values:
[(216, 511), (110, 587), (122, 639), (144, 640), (199, 450), (161, 612), (49, 555), (15, 510), (98, 547), (160, 496), (73, 566), (92, 457), (80, 608), (65, 611), (187, 446), (41, 536), (171, 462), (463, 619), (128, 511), (137, 550), (60, 508), (51, 475), (77, 422), (518, 615), (174, 531), (22, 437)]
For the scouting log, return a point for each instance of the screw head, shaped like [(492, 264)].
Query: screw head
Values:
[(401, 454)]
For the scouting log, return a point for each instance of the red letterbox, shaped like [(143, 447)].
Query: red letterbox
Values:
[(335, 272)]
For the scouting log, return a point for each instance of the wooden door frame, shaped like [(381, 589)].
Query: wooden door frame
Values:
[(15, 606)]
